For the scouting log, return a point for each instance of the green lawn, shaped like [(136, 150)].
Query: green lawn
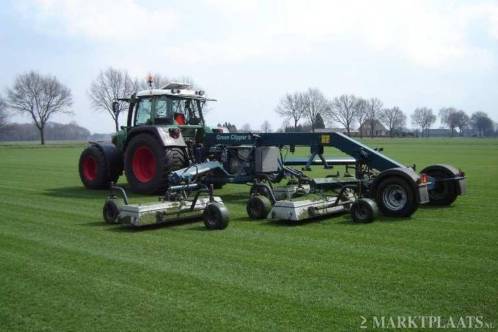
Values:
[(62, 268)]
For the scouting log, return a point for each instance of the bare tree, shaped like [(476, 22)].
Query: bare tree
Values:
[(482, 123), (361, 112), (374, 108), (266, 127), (291, 107), (245, 128), (393, 118), (314, 103), (424, 118), (109, 86), (3, 113), (40, 97), (446, 116), (461, 120), (343, 111)]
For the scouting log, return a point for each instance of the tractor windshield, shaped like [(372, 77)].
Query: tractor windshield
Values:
[(168, 110), (182, 111)]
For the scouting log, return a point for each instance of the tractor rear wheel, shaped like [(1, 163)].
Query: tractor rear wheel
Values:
[(148, 164), (94, 170), (395, 197)]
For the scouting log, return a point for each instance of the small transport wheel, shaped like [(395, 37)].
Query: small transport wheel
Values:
[(395, 197), (258, 207), (110, 211), (94, 170), (216, 216), (364, 210), (444, 192)]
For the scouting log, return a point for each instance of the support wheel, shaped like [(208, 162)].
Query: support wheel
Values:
[(216, 216), (444, 193), (258, 207), (364, 210), (395, 197), (110, 211)]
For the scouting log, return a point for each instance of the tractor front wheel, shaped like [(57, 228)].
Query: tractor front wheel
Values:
[(148, 164)]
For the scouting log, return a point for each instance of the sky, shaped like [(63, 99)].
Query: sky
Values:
[(248, 54)]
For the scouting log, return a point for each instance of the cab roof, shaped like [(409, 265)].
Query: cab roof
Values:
[(181, 90)]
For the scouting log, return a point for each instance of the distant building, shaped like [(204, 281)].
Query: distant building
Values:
[(439, 132), (378, 128), (337, 130)]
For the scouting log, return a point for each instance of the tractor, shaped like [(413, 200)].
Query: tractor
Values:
[(163, 127)]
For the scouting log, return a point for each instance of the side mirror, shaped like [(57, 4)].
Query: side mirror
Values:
[(115, 107)]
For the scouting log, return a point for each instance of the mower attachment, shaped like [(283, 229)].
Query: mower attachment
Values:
[(170, 208)]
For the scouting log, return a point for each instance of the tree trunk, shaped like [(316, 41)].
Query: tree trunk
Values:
[(42, 135), (116, 123), (295, 124)]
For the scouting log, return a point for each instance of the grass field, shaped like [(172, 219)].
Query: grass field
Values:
[(62, 268)]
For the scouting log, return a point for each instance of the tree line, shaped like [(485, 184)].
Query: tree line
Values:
[(308, 108), (41, 96), (53, 131)]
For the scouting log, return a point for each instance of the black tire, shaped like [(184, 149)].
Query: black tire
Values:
[(94, 170), (148, 164), (258, 207), (396, 197), (260, 190), (215, 216), (110, 212), (364, 210), (445, 192)]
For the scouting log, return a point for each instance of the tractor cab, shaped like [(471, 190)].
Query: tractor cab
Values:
[(173, 105)]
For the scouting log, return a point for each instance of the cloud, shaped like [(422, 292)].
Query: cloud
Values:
[(427, 33), (102, 20)]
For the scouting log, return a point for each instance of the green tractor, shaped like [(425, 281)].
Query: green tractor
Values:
[(163, 128)]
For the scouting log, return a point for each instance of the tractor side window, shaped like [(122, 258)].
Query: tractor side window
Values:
[(143, 112)]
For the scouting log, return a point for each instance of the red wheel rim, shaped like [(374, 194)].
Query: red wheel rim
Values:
[(90, 168), (144, 164)]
